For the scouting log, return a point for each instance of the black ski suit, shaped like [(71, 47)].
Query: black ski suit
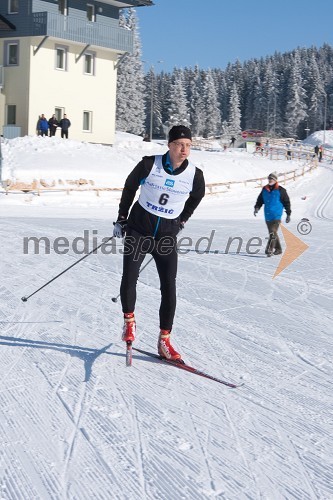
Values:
[(150, 233)]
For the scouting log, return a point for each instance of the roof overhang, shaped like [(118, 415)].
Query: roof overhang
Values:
[(124, 4)]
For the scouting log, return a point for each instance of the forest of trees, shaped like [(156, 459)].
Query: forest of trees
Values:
[(285, 95)]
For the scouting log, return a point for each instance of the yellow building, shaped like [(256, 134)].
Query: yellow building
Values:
[(60, 57)]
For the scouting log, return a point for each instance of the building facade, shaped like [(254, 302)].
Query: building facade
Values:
[(60, 57)]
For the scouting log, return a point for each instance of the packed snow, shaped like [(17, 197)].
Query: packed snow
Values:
[(76, 423), (321, 137)]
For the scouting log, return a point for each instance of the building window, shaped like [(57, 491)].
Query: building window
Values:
[(11, 53), (13, 6), (87, 121), (61, 58), (91, 13), (62, 7), (11, 114), (89, 63), (59, 113)]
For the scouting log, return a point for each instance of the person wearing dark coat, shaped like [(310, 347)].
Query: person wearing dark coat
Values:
[(64, 124), (53, 124), (275, 198)]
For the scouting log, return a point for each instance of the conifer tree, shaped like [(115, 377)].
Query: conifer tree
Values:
[(234, 122), (130, 105)]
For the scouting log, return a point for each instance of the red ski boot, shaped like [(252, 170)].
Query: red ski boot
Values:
[(164, 347), (129, 328)]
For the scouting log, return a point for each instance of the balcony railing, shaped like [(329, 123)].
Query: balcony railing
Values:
[(77, 30)]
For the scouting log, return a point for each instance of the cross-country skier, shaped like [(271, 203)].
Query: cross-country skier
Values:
[(171, 188), (275, 198)]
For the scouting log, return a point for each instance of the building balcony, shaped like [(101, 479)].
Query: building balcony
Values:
[(109, 36)]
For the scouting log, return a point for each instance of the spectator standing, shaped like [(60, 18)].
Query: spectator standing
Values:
[(321, 150), (232, 141), (275, 198), (42, 126), (53, 124), (316, 150), (64, 124)]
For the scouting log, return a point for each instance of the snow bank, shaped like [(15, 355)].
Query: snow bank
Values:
[(31, 157), (318, 138)]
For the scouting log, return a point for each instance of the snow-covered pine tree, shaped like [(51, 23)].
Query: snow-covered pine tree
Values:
[(316, 95), (130, 105), (212, 125), (296, 109), (178, 111), (259, 101), (196, 101), (234, 122), (222, 93), (272, 94), (164, 83), (153, 103)]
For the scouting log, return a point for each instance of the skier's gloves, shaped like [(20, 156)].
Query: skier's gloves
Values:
[(119, 229), (181, 226), (288, 219), (256, 210)]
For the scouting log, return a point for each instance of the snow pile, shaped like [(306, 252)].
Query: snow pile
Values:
[(54, 159), (317, 138)]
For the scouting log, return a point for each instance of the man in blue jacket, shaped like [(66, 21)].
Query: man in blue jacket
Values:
[(42, 126), (275, 198)]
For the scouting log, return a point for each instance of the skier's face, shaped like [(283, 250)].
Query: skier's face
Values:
[(179, 150), (271, 182)]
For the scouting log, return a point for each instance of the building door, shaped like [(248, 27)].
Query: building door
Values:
[(11, 114)]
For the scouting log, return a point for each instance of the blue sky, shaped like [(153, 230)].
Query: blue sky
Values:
[(212, 33)]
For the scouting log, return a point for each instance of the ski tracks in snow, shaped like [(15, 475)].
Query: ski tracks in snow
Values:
[(80, 425)]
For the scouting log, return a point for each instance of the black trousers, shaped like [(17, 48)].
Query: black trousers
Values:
[(273, 227), (64, 133), (164, 252)]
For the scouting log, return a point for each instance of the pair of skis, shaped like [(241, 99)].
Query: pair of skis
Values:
[(178, 364)]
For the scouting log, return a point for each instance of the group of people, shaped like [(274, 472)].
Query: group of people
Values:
[(171, 188), (49, 127)]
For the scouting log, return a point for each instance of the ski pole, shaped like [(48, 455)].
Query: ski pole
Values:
[(24, 299), (115, 299)]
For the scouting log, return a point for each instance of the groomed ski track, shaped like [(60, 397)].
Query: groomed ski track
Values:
[(77, 424)]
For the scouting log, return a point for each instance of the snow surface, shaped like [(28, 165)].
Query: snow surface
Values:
[(321, 138), (77, 424)]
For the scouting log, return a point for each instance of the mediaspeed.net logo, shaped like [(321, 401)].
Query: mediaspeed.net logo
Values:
[(89, 243), (295, 247)]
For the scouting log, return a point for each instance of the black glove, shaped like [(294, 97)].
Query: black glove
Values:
[(119, 229), (181, 226), (256, 210), (288, 219)]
